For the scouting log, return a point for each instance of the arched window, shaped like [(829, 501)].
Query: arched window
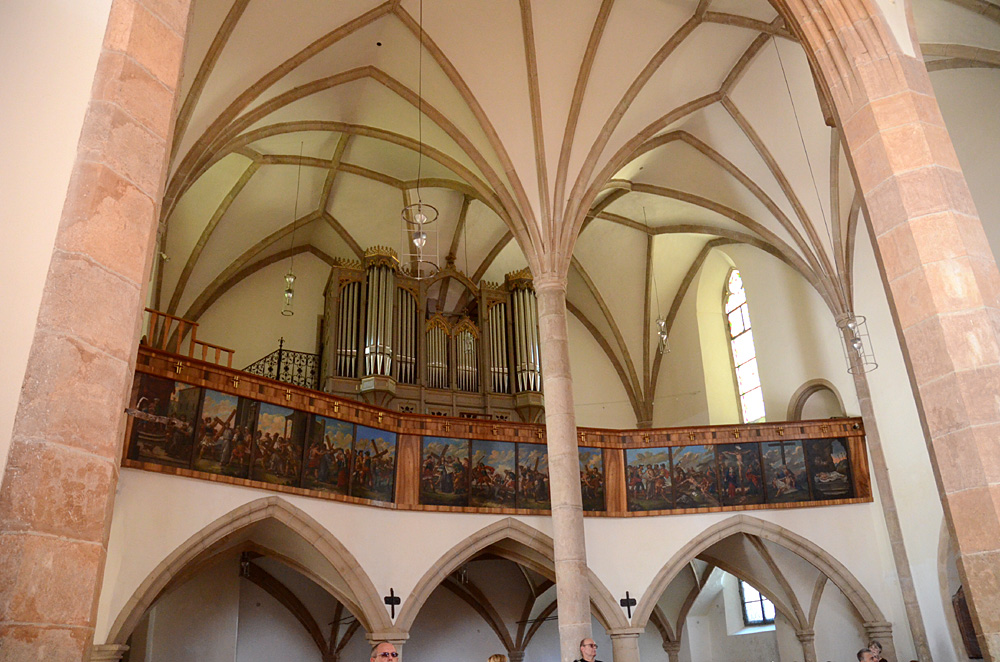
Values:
[(757, 610), (743, 351)]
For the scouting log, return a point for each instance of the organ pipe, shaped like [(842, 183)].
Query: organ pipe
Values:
[(406, 337), (498, 348), (527, 354), (467, 357), (437, 354), (347, 345), (381, 264)]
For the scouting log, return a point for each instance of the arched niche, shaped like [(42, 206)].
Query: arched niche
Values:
[(276, 528), (515, 541), (708, 547), (817, 398)]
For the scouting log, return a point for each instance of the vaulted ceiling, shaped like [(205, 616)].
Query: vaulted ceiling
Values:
[(621, 140)]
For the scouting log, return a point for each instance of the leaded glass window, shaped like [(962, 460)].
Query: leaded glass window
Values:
[(743, 351), (757, 610)]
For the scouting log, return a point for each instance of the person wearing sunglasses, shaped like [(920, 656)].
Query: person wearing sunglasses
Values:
[(384, 652), (588, 651)]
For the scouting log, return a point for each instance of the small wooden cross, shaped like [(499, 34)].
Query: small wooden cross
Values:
[(392, 600), (626, 602)]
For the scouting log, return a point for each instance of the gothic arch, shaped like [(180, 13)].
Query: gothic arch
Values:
[(357, 590), (837, 573), (520, 543), (798, 400)]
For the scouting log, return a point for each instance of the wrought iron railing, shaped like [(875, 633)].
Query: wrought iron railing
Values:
[(285, 365)]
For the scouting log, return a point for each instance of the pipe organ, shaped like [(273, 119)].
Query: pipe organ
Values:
[(438, 345)]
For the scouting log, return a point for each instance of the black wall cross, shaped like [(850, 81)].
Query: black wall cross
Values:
[(626, 602), (392, 600)]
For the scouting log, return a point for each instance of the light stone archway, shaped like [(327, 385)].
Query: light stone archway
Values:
[(798, 400), (358, 593), (517, 542), (833, 569)]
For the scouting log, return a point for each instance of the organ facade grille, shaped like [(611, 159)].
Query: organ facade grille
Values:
[(442, 345)]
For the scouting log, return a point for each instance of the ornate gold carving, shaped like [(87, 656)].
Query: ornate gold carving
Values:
[(440, 322), (465, 324), (520, 279), (381, 255)]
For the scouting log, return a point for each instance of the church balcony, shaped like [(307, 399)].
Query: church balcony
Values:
[(203, 419)]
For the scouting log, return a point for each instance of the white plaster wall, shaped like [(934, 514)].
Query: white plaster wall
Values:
[(682, 393), (248, 319), (839, 635), (712, 635), (599, 398), (198, 620), (268, 631), (49, 51)]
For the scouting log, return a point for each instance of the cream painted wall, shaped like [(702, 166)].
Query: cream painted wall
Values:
[(268, 631), (248, 318), (598, 394), (49, 49), (198, 620)]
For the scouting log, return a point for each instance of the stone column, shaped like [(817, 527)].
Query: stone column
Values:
[(673, 650), (881, 632), (572, 584), (625, 644), (515, 656), (808, 640), (58, 488), (107, 653)]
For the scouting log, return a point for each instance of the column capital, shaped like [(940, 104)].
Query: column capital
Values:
[(672, 647), (516, 656), (805, 635), (107, 652), (394, 637), (549, 281), (625, 633), (878, 628)]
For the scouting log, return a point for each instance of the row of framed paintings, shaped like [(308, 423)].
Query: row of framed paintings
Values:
[(499, 474), (186, 426), (709, 476), (181, 425)]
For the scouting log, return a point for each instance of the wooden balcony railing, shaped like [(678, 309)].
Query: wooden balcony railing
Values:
[(204, 420), (167, 333)]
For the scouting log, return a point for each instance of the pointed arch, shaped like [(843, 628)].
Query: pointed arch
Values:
[(518, 542), (354, 589), (844, 580)]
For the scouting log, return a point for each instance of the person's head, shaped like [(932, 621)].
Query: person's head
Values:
[(865, 655), (875, 647), (588, 649), (497, 657), (384, 652)]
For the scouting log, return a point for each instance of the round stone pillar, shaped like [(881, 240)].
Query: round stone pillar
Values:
[(881, 631), (808, 640), (572, 585), (625, 644), (673, 650)]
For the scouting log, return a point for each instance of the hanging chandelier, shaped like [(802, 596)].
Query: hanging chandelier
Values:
[(289, 294), (420, 247)]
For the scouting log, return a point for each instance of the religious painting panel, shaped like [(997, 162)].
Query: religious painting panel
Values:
[(373, 474), (829, 469), (492, 482), (224, 434), (740, 473), (165, 415), (696, 477), (785, 479), (648, 479), (278, 445), (328, 455), (444, 471), (533, 477), (592, 479)]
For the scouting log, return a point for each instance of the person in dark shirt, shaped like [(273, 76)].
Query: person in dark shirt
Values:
[(588, 651)]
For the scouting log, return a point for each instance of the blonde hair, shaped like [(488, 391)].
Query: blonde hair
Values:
[(497, 658)]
